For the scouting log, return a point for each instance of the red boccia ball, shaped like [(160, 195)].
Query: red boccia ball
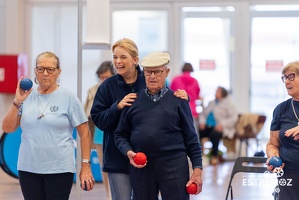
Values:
[(192, 189), (140, 158)]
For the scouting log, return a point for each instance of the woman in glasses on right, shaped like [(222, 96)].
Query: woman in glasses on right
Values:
[(284, 135)]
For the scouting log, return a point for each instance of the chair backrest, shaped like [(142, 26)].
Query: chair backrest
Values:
[(249, 125), (248, 165)]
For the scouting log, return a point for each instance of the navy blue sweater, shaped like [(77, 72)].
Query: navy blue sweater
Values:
[(162, 130), (105, 115)]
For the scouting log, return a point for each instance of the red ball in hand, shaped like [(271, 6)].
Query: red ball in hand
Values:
[(192, 189), (140, 158)]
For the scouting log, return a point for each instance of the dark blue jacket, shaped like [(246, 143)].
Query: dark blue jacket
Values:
[(106, 115)]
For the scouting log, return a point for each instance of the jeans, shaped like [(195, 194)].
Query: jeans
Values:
[(120, 186)]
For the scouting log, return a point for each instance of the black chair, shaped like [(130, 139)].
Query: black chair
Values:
[(239, 167)]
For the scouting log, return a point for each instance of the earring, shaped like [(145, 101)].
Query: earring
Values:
[(35, 81)]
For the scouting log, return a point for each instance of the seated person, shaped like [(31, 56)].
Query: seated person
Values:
[(218, 120)]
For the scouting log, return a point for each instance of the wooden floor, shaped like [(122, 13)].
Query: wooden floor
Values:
[(215, 177)]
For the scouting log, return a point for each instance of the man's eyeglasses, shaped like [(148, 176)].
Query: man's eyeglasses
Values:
[(156, 72), (50, 70), (291, 77)]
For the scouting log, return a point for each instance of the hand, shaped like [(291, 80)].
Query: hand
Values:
[(218, 128), (196, 178), (127, 100), (86, 176), (182, 94), (131, 155), (293, 132), (21, 95)]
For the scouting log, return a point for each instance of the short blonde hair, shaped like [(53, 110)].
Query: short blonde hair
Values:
[(292, 65), (48, 54)]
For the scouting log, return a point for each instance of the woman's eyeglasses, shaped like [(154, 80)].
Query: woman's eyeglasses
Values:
[(291, 77), (50, 70)]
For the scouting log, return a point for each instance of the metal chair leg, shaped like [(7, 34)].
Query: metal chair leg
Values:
[(275, 193)]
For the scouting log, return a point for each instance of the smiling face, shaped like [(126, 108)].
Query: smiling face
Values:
[(123, 62), (155, 78), (125, 59)]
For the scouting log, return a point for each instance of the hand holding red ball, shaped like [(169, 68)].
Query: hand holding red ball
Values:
[(140, 158), (192, 189)]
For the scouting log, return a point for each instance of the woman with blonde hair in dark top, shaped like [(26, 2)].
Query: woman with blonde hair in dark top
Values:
[(112, 96)]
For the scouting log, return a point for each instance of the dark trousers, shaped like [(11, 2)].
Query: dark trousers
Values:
[(46, 186), (214, 136), (288, 186), (169, 177)]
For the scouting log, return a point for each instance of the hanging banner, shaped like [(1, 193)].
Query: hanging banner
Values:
[(274, 65), (207, 64)]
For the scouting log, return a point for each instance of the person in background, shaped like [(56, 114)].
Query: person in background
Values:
[(161, 126), (47, 116), (284, 134), (186, 82), (104, 71), (114, 94), (218, 120)]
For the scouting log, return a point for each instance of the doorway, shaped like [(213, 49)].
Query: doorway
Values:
[(206, 44)]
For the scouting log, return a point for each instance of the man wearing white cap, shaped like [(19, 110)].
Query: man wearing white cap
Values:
[(161, 126)]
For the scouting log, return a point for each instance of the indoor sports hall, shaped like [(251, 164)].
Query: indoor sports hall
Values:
[(241, 45)]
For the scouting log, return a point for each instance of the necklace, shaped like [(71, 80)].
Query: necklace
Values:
[(134, 78), (41, 114), (295, 112)]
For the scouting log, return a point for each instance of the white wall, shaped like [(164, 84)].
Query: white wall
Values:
[(16, 35), (2, 25), (12, 32)]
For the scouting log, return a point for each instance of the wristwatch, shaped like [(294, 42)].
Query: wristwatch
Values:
[(86, 161)]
